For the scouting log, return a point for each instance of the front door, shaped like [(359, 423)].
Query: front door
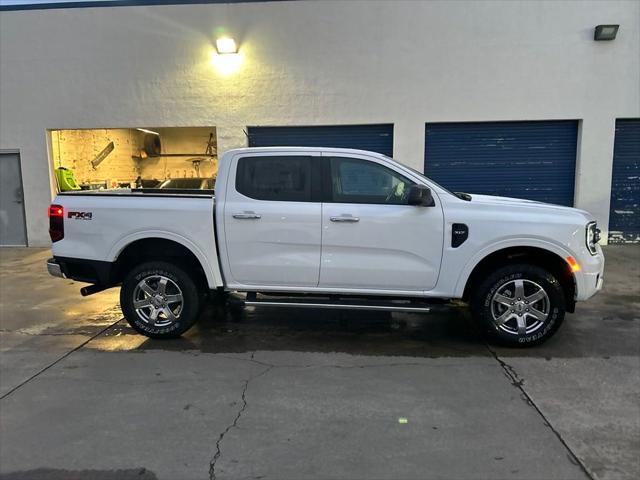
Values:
[(371, 238), (12, 224), (272, 216)]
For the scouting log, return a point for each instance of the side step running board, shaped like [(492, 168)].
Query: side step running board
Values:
[(390, 306)]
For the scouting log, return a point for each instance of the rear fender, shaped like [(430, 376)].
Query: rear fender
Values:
[(212, 272)]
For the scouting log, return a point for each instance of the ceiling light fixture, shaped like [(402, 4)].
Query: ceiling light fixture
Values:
[(147, 131)]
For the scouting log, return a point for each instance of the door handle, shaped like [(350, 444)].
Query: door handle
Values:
[(247, 216), (345, 219)]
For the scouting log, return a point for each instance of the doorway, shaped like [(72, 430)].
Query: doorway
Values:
[(13, 231)]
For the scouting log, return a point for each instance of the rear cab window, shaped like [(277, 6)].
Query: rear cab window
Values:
[(275, 178)]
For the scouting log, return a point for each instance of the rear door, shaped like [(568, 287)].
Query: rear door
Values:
[(371, 238), (272, 216)]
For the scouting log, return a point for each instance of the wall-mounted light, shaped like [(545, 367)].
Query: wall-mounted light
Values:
[(226, 45), (605, 32), (226, 59)]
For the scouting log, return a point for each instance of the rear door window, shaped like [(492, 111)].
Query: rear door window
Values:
[(275, 178)]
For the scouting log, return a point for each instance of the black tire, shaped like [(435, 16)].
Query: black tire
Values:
[(185, 314), (492, 302)]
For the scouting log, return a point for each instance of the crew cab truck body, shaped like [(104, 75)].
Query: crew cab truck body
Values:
[(333, 228)]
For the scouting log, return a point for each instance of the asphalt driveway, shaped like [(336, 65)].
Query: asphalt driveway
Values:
[(312, 394)]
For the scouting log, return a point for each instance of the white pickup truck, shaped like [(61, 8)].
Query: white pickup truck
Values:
[(328, 228)]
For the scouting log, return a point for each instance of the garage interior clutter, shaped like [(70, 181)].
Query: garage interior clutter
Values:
[(175, 157)]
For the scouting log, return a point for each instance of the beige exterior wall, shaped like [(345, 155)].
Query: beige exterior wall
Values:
[(319, 63)]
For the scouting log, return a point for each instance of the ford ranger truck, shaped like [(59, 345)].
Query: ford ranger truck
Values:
[(327, 228)]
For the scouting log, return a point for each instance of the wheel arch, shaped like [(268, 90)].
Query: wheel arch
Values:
[(148, 248), (552, 261)]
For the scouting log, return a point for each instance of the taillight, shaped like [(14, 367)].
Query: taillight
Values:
[(56, 222)]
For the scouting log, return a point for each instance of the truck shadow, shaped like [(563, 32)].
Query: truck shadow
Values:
[(608, 325), (444, 333)]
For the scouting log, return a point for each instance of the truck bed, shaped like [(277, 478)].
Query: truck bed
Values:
[(99, 224)]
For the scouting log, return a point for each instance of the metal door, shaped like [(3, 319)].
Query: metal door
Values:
[(12, 219), (375, 138), (531, 160), (624, 218)]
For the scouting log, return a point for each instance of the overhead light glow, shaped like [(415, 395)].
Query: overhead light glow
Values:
[(226, 45), (226, 64)]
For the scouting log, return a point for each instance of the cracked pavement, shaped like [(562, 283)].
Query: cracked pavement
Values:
[(312, 394)]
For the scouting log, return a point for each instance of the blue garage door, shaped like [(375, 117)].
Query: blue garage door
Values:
[(624, 218), (531, 160), (376, 138)]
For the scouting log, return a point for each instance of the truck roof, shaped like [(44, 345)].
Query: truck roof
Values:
[(301, 149)]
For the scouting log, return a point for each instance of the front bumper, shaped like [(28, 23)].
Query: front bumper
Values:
[(591, 279), (54, 268)]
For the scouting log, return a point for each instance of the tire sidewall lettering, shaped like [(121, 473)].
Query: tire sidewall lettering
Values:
[(184, 281), (527, 272)]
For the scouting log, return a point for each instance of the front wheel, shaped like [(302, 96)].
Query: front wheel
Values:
[(160, 300), (519, 305)]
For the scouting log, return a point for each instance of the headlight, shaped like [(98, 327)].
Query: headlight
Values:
[(593, 237)]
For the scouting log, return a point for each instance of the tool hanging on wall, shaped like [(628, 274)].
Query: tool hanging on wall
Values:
[(102, 155), (210, 152), (211, 146)]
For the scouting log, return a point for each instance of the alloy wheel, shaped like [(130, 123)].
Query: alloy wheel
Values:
[(158, 300), (520, 307)]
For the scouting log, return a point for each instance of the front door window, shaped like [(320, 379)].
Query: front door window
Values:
[(360, 181)]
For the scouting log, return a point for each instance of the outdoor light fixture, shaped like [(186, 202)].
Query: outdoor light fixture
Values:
[(226, 45), (605, 32), (225, 57)]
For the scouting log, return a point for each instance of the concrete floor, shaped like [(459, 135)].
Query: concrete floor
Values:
[(307, 394)]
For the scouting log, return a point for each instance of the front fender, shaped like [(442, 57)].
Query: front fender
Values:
[(553, 247)]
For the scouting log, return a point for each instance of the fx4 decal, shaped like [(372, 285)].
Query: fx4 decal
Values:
[(80, 215)]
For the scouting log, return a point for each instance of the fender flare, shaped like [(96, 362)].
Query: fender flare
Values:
[(473, 262), (213, 279)]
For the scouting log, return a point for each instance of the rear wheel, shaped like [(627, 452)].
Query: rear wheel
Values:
[(160, 300), (519, 305)]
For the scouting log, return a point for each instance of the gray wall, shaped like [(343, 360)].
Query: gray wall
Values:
[(319, 62)]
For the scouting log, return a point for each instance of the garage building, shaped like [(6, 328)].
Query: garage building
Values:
[(504, 98)]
